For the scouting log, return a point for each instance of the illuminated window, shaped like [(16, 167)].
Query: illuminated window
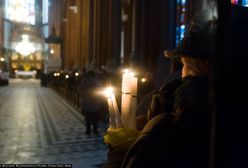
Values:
[(20, 11), (240, 2), (181, 20), (245, 3), (234, 1), (45, 5), (183, 2)]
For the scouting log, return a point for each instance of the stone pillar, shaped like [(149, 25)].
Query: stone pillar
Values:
[(115, 31), (96, 26), (71, 33), (152, 31), (127, 30), (86, 33), (92, 34), (105, 31)]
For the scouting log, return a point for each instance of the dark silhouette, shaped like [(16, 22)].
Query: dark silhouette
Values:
[(90, 101), (53, 38), (178, 135)]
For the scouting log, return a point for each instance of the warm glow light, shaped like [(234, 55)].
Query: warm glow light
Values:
[(25, 47), (129, 99), (76, 74), (2, 59), (108, 92), (52, 51), (143, 79), (66, 76), (125, 70), (132, 74), (56, 74), (21, 10)]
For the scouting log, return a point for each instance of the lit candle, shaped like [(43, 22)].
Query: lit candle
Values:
[(126, 82), (111, 114), (128, 105), (114, 114), (125, 109), (126, 97), (134, 85), (117, 113), (133, 102)]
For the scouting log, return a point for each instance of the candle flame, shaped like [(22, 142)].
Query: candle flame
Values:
[(132, 74), (125, 70), (108, 92), (143, 79)]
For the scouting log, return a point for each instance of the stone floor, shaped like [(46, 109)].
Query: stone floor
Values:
[(39, 126)]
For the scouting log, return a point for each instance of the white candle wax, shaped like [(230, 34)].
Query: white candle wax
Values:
[(134, 85), (112, 123), (126, 82), (126, 97), (133, 103), (132, 114), (117, 113), (125, 109)]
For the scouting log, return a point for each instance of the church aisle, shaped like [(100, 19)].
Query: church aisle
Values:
[(39, 126)]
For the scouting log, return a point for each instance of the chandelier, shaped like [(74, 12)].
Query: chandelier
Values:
[(25, 47)]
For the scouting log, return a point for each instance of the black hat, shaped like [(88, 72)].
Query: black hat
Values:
[(199, 38)]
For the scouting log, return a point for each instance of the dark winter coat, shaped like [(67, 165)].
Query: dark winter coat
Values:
[(179, 139), (91, 100)]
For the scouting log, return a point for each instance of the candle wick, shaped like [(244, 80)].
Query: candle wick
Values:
[(126, 93)]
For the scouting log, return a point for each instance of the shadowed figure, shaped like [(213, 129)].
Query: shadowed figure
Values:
[(90, 101)]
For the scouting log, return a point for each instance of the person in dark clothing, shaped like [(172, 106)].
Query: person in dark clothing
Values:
[(177, 136), (147, 107), (175, 68), (90, 101), (163, 100), (146, 85)]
